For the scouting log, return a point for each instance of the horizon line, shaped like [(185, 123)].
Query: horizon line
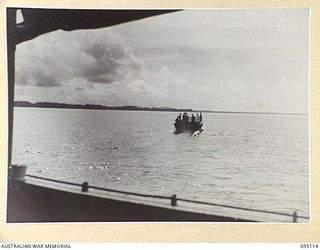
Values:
[(139, 108)]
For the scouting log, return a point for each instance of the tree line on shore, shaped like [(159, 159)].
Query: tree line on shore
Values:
[(94, 106)]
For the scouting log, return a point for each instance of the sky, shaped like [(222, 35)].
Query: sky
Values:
[(253, 60)]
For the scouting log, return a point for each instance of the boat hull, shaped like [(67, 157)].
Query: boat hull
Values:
[(188, 127)]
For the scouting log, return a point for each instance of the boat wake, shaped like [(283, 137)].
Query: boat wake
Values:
[(209, 133), (196, 133), (152, 131)]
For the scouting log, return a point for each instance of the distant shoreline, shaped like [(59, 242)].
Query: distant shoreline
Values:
[(132, 108)]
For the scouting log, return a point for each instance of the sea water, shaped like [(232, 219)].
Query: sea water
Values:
[(251, 160)]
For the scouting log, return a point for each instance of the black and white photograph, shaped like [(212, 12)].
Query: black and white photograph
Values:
[(158, 115)]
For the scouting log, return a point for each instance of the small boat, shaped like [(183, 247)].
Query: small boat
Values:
[(188, 124)]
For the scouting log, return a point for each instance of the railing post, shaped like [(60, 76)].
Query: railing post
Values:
[(17, 172), (85, 187), (174, 200), (295, 216)]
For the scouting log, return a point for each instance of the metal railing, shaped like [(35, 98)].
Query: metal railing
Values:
[(173, 199)]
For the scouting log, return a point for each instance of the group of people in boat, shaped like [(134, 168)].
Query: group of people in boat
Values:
[(186, 118)]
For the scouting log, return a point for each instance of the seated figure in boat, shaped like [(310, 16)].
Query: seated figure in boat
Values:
[(185, 117), (193, 118), (179, 118)]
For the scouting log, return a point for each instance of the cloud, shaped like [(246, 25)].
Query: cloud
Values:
[(42, 80), (226, 63), (91, 67), (96, 57)]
